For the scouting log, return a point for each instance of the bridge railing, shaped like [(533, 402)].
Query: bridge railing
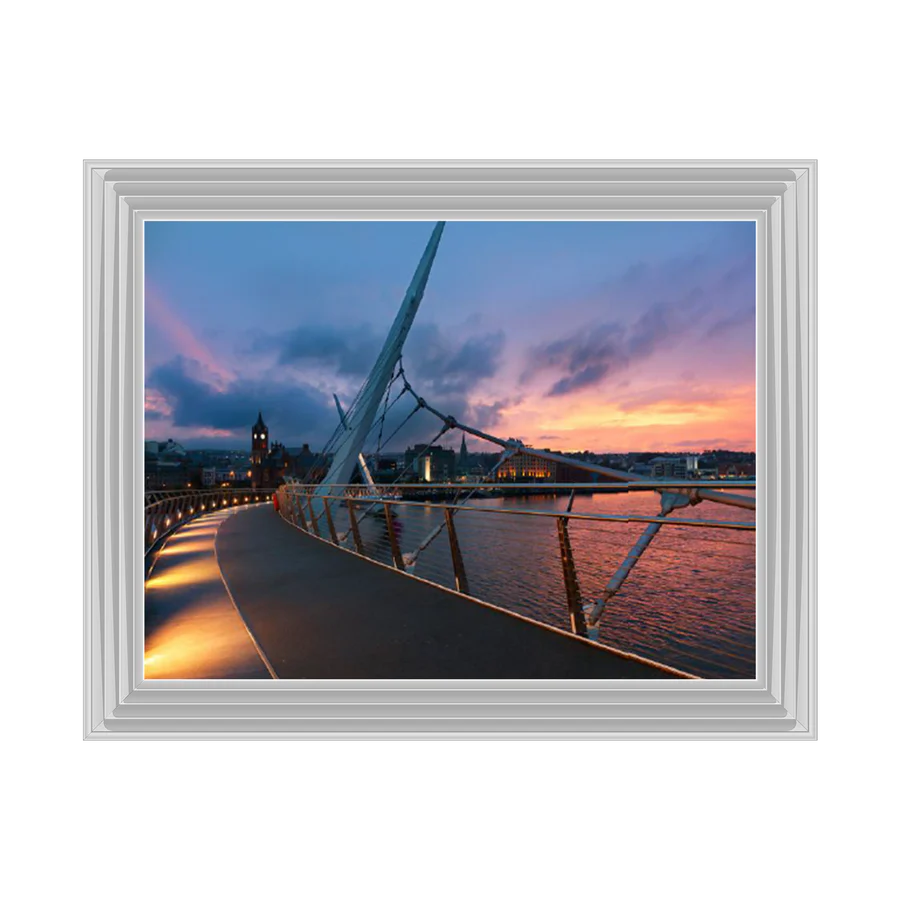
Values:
[(164, 511), (562, 561)]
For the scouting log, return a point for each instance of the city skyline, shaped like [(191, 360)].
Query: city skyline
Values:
[(603, 336)]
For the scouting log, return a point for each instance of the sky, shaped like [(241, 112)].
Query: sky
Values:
[(602, 336)]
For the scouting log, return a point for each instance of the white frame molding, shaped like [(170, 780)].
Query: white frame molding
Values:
[(780, 196)]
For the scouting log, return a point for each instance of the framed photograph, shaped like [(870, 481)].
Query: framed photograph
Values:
[(450, 449)]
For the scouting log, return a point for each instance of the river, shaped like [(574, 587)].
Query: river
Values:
[(690, 601)]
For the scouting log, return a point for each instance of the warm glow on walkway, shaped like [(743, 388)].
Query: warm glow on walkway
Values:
[(192, 628)]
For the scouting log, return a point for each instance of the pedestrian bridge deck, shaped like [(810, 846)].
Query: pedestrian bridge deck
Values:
[(318, 612)]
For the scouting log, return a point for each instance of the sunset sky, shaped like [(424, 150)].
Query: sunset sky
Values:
[(604, 336)]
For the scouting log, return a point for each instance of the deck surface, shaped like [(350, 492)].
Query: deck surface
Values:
[(318, 611)]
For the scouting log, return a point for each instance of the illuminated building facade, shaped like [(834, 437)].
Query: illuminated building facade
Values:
[(431, 464), (526, 467)]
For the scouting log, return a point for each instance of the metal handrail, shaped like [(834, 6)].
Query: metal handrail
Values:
[(736, 484), (309, 507), (164, 515)]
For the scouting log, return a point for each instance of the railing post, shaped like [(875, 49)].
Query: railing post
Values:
[(312, 515), (298, 507), (459, 569), (334, 538), (169, 514), (392, 537), (354, 527), (570, 576)]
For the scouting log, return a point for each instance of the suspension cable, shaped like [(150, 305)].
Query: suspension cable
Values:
[(387, 397), (410, 464)]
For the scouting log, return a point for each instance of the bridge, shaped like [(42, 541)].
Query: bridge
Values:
[(244, 593), (340, 577), (389, 584)]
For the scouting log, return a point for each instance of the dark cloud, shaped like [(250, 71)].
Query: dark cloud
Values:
[(664, 322), (424, 426), (445, 364), (692, 285), (485, 416), (592, 374), (443, 367), (445, 370), (348, 350), (196, 402), (441, 361), (588, 356)]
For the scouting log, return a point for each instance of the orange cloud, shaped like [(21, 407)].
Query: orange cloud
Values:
[(155, 402), (655, 418)]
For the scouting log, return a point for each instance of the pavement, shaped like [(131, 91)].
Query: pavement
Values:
[(191, 627), (319, 612)]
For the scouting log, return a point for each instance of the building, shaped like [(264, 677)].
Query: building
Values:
[(166, 466), (431, 464), (271, 462), (524, 466), (671, 467), (737, 470), (675, 467)]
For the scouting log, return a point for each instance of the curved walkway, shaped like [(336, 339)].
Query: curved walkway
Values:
[(191, 626), (321, 612)]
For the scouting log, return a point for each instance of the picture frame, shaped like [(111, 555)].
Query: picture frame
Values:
[(780, 196)]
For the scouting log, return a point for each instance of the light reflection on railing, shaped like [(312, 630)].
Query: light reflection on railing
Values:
[(337, 513), (164, 511)]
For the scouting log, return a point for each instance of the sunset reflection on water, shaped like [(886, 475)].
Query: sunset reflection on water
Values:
[(690, 601)]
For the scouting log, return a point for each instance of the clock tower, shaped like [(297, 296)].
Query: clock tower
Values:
[(259, 448)]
